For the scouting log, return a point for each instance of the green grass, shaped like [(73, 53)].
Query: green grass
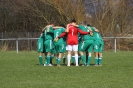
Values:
[(22, 70)]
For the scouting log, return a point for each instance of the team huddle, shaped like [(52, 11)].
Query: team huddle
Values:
[(73, 40)]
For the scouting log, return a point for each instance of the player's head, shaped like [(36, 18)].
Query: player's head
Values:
[(84, 23), (73, 21), (52, 23), (62, 25), (88, 25)]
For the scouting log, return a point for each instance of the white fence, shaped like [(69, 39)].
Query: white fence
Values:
[(112, 42)]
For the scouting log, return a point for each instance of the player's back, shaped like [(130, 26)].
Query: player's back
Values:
[(48, 33), (72, 38)]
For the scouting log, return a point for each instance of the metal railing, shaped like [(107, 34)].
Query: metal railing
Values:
[(109, 42)]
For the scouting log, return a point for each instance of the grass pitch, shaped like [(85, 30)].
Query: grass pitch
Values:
[(22, 70)]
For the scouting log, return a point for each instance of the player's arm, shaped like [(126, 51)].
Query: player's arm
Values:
[(44, 28), (91, 32), (83, 32), (96, 30), (61, 35), (57, 27), (67, 27)]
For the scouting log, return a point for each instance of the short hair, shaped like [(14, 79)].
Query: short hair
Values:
[(88, 25), (62, 25), (73, 21), (52, 22), (84, 23)]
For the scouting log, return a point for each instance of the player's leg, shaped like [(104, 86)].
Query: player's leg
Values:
[(64, 58), (79, 50), (75, 49), (45, 62), (85, 46), (100, 59), (64, 55), (96, 54), (60, 51), (59, 59), (73, 58), (100, 53), (89, 57), (40, 58), (79, 58), (48, 47), (69, 47), (86, 53), (96, 49), (40, 47), (51, 58)]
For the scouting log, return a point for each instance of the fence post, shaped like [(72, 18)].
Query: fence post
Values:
[(2, 37), (28, 40), (115, 45), (17, 45)]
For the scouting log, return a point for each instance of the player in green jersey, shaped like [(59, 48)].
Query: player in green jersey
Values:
[(87, 43), (48, 33), (40, 48), (59, 44), (98, 46)]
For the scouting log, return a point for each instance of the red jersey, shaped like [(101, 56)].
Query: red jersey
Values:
[(72, 37)]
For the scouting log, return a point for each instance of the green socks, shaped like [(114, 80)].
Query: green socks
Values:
[(100, 61), (83, 59), (96, 61), (79, 59), (48, 60), (40, 60), (88, 60), (58, 60)]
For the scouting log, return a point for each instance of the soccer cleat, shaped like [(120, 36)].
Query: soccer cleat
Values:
[(87, 65), (50, 65), (100, 64), (44, 65), (77, 65), (95, 65), (58, 66), (83, 65), (68, 65)]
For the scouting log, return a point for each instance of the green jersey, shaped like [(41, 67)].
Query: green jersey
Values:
[(96, 35), (48, 33), (57, 33), (84, 28)]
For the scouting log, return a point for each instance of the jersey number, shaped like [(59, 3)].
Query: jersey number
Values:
[(72, 31)]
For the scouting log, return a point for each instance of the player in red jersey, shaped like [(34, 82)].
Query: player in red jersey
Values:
[(72, 40)]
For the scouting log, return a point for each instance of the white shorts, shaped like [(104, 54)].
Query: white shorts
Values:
[(72, 47)]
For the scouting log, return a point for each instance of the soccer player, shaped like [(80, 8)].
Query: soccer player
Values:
[(87, 43), (98, 46), (72, 40), (48, 41), (40, 47), (59, 44)]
